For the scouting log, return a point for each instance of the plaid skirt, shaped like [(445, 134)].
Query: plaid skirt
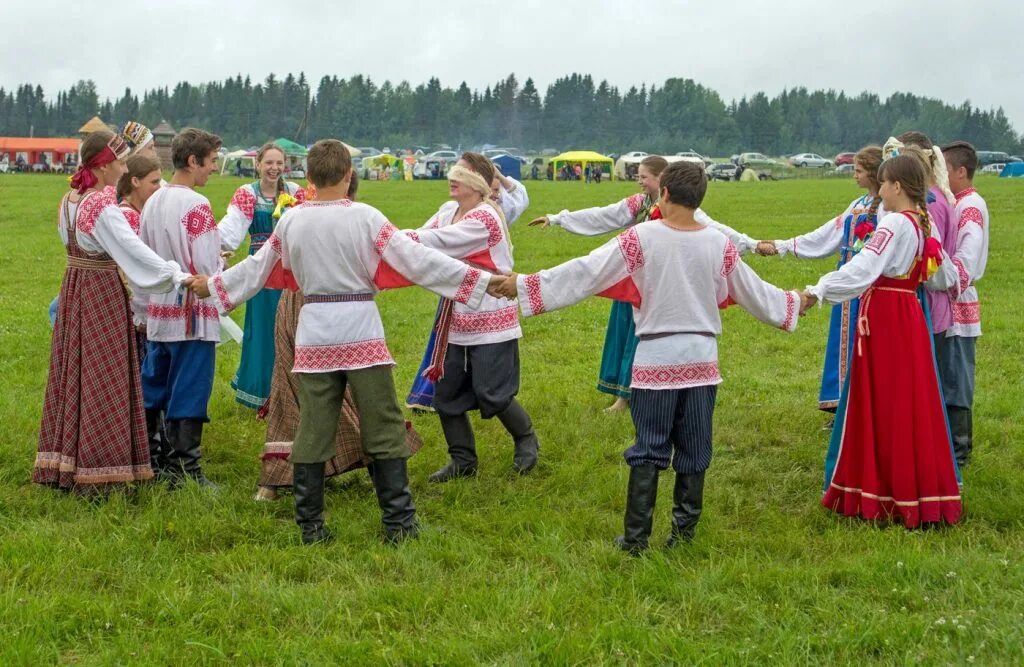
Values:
[(93, 430), (283, 409)]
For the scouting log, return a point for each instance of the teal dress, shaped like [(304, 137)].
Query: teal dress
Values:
[(252, 381)]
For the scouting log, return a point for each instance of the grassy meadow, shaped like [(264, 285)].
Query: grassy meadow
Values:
[(522, 570)]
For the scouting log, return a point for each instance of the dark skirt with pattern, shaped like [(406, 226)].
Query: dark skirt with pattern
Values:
[(283, 409), (93, 430)]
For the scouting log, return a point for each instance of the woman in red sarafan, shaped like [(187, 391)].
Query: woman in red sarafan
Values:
[(890, 456)]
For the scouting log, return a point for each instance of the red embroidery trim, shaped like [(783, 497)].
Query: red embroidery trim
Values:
[(172, 312), (132, 216), (387, 230), (960, 195), (790, 311), (673, 375), (494, 234), (89, 209), (359, 354), (222, 293), (632, 251), (634, 203), (964, 278), (198, 221), (485, 322), (533, 295), (967, 313), (730, 257), (879, 240), (970, 214), (468, 284), (275, 244), (245, 201)]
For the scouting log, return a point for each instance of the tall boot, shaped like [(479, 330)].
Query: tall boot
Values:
[(640, 498), (458, 433), (391, 481), (961, 426), (687, 502), (517, 422), (185, 452), (308, 488), (156, 435)]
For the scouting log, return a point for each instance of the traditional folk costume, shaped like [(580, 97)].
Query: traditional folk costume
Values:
[(677, 281), (282, 409), (620, 341), (251, 213), (93, 430), (134, 219), (475, 362), (513, 204), (341, 254), (956, 349), (890, 454), (845, 234), (183, 331)]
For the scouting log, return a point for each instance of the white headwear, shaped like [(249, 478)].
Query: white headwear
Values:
[(478, 184), (893, 147)]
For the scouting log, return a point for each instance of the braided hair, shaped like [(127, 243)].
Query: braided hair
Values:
[(910, 171)]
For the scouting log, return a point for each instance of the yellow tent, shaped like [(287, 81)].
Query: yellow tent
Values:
[(583, 158)]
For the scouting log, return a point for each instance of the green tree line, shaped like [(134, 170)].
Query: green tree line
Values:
[(574, 112)]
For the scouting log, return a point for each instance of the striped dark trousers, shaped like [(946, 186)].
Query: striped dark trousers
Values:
[(672, 419)]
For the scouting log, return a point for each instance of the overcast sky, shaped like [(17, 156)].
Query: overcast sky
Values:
[(950, 50)]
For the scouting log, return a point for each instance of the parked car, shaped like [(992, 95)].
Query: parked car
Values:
[(442, 155), (691, 156), (368, 151), (810, 160), (994, 168), (845, 168), (722, 172), (755, 160), (844, 158), (993, 157), (634, 154)]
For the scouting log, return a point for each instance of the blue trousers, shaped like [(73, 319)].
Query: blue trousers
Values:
[(177, 378), (672, 425)]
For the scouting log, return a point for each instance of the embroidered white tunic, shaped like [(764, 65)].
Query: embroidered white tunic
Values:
[(602, 219), (101, 227), (178, 224), (890, 252), (827, 240), (481, 240), (235, 225), (677, 281), (513, 202), (969, 261), (340, 249)]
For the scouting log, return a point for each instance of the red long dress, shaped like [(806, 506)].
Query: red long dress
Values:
[(894, 460)]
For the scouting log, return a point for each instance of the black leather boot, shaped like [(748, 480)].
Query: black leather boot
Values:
[(517, 422), (687, 502), (391, 481), (458, 433), (186, 436), (640, 497), (308, 488), (961, 427), (159, 447)]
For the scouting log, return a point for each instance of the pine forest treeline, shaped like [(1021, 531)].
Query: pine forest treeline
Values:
[(573, 112)]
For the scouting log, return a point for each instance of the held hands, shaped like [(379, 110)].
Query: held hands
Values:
[(766, 248), (543, 221), (199, 285), (502, 286), (806, 301)]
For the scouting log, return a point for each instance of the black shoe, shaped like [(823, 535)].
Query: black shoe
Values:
[(391, 481), (186, 436), (159, 446), (517, 422), (458, 434), (640, 497), (687, 502), (308, 488)]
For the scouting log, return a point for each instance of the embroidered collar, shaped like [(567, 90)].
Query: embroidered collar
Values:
[(960, 195)]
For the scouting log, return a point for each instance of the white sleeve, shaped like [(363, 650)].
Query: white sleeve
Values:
[(433, 270), (594, 221), (761, 299), (970, 249), (467, 238), (234, 286), (742, 242), (145, 270), (824, 241), (890, 251), (236, 223), (573, 281), (514, 202), (945, 279)]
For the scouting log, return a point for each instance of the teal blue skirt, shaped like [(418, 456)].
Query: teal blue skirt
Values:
[(252, 381), (620, 343)]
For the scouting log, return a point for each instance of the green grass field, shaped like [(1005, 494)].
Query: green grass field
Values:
[(522, 570)]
